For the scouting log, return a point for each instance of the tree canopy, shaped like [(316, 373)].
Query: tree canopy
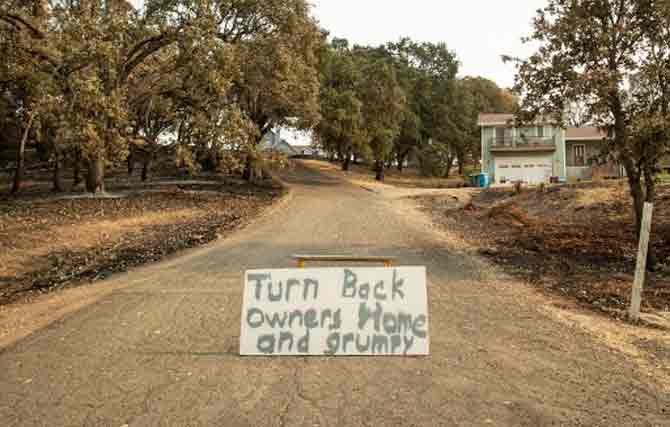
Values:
[(401, 100), (97, 75), (98, 82), (612, 58)]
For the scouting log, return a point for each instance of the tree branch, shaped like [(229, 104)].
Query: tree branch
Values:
[(13, 19), (138, 56)]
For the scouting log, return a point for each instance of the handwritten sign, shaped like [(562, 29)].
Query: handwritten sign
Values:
[(335, 312)]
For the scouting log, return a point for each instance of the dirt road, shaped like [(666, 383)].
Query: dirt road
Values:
[(161, 348)]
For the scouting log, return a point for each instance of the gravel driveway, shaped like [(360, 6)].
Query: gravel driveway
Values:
[(161, 348)]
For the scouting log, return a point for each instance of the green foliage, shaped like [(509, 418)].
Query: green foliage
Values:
[(217, 73), (383, 109), (341, 127), (427, 73), (489, 97), (402, 100), (399, 100), (613, 58), (435, 160)]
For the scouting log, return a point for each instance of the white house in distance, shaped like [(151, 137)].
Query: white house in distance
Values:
[(540, 152), (272, 141), (290, 142)]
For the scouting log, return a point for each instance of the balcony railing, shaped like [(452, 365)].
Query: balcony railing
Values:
[(523, 143)]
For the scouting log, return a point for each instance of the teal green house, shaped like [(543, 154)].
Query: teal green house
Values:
[(540, 152)]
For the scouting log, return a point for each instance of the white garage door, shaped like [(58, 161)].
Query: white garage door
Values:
[(529, 169)]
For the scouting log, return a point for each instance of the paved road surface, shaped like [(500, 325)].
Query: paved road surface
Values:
[(162, 351)]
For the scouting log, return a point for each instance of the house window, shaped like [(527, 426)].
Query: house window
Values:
[(580, 155), (540, 132), (501, 136)]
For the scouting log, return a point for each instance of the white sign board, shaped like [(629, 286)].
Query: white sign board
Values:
[(335, 312)]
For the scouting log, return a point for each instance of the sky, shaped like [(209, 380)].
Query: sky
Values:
[(479, 31)]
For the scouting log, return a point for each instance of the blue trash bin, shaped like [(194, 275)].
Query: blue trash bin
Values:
[(487, 180), (483, 180), (480, 180)]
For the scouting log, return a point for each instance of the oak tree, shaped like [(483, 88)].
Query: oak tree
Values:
[(608, 55)]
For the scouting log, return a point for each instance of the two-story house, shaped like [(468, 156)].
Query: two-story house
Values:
[(540, 152)]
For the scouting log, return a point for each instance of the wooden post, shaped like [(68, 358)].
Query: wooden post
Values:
[(636, 301)]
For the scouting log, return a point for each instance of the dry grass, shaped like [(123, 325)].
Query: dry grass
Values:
[(28, 253), (53, 243), (507, 214), (587, 197)]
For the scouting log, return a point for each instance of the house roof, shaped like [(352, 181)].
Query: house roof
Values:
[(494, 119), (291, 148), (500, 119), (582, 133), (585, 133)]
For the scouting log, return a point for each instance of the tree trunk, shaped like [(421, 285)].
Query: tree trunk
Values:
[(450, 164), (340, 155), (346, 164), (20, 157), (346, 161), (77, 169), (57, 177), (18, 174), (95, 180), (402, 157), (637, 190), (641, 194), (146, 166), (632, 172), (131, 165), (637, 193), (249, 173), (380, 170)]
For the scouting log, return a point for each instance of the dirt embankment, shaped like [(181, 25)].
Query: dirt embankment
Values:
[(50, 243), (576, 241)]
